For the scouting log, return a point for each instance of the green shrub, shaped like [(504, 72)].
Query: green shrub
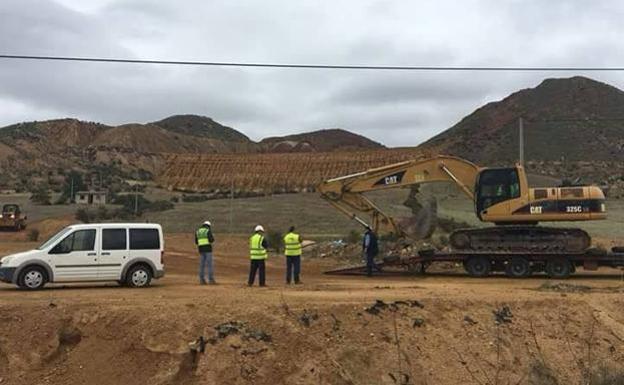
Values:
[(33, 235), (194, 198)]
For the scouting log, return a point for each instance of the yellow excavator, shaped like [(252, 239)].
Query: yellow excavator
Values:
[(500, 195)]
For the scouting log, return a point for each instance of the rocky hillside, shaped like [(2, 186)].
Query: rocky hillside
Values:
[(319, 141), (573, 119), (41, 152)]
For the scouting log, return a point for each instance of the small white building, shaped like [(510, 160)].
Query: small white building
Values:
[(91, 197)]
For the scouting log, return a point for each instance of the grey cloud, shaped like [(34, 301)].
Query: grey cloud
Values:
[(394, 108)]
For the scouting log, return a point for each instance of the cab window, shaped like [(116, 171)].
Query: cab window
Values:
[(80, 240), (495, 186)]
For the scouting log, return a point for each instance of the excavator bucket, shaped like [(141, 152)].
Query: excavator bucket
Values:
[(424, 219)]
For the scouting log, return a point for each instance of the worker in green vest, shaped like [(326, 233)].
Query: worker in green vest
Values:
[(292, 250), (258, 254), (204, 240)]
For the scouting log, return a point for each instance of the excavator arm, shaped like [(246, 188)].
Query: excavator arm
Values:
[(346, 193)]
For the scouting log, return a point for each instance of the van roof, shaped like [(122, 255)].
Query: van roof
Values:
[(128, 225)]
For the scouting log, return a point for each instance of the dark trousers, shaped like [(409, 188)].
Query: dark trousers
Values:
[(370, 264), (293, 267), (257, 265)]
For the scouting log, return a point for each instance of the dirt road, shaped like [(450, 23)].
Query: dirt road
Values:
[(436, 329)]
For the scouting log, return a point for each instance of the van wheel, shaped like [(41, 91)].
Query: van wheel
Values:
[(32, 278), (478, 266), (139, 276), (558, 268)]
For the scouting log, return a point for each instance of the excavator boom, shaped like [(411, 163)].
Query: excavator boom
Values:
[(346, 193)]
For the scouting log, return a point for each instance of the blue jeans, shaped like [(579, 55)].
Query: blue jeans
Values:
[(293, 263), (205, 260)]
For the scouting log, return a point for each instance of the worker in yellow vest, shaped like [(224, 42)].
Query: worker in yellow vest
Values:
[(292, 250), (204, 240), (258, 254)]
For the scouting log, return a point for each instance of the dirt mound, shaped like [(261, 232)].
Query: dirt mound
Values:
[(394, 342), (270, 173)]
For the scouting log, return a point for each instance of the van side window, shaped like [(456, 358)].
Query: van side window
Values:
[(80, 240), (144, 239), (114, 239)]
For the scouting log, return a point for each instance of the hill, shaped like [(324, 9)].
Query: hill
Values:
[(572, 119), (334, 139), (42, 152), (201, 126)]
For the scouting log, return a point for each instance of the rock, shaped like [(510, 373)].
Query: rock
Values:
[(418, 322), (258, 335), (228, 328), (307, 318), (376, 308), (469, 320), (502, 315)]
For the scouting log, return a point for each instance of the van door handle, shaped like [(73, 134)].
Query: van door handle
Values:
[(91, 254), (105, 253)]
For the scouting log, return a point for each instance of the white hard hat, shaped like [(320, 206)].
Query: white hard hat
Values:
[(259, 228), (207, 223)]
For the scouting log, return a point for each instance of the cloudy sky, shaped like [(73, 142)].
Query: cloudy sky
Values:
[(395, 108)]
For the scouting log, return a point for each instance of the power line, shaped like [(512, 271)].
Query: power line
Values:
[(308, 66)]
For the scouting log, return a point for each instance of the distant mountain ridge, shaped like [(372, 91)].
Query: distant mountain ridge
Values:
[(570, 119)]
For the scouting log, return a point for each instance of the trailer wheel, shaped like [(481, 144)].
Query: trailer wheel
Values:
[(518, 267), (478, 266), (558, 268)]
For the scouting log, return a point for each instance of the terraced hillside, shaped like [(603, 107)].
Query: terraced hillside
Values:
[(270, 173)]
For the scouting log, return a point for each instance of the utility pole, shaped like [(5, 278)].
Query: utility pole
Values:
[(231, 204), (71, 194), (521, 139), (136, 199)]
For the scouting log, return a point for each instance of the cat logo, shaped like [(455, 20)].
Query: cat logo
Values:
[(536, 209), (390, 180)]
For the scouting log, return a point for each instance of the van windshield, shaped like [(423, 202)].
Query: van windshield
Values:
[(54, 238)]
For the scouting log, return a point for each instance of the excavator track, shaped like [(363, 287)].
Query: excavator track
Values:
[(517, 238)]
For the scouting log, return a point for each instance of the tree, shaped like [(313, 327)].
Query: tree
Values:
[(41, 195), (73, 183)]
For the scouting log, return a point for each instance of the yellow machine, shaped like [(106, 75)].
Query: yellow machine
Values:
[(500, 195)]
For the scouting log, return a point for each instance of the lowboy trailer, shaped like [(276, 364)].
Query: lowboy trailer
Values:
[(515, 265)]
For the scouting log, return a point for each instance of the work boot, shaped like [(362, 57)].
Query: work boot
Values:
[(202, 282), (298, 283), (213, 282)]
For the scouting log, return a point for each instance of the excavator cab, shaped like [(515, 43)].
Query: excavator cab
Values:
[(495, 185)]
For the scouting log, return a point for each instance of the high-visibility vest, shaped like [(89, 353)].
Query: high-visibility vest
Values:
[(292, 245), (202, 236), (256, 250)]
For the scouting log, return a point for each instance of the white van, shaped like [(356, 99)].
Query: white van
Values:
[(129, 253)]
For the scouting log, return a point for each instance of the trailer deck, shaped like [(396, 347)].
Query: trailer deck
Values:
[(515, 264)]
